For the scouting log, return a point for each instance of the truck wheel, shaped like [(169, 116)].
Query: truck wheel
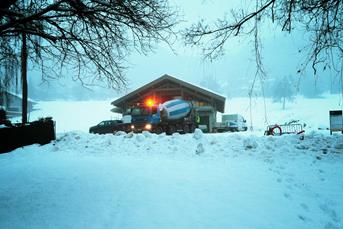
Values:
[(186, 129), (158, 130), (171, 130)]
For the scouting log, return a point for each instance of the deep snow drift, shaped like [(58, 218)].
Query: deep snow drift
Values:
[(180, 181), (229, 180)]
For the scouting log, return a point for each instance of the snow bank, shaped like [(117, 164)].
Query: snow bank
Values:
[(180, 181)]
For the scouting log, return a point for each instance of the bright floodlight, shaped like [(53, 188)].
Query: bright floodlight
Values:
[(150, 102)]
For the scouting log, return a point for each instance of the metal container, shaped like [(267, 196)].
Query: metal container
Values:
[(336, 121), (176, 109)]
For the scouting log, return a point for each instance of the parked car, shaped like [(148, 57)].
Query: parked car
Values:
[(107, 126)]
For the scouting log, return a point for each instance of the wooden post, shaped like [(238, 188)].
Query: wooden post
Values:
[(24, 78)]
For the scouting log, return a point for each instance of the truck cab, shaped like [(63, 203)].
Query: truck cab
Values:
[(145, 114), (235, 122), (144, 118)]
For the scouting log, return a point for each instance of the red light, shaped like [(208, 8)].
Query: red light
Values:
[(150, 102)]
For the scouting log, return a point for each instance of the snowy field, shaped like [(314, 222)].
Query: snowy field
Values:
[(71, 115), (240, 180)]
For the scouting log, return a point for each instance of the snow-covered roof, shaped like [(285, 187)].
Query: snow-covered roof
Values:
[(219, 99), (19, 96)]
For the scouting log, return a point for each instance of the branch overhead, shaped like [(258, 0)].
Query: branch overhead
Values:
[(321, 19), (96, 35)]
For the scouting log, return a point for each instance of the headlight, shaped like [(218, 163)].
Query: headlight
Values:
[(148, 126), (132, 127)]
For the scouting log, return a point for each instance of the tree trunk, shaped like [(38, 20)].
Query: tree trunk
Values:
[(24, 79)]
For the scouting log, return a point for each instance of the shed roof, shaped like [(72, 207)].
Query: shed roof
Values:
[(220, 100), (11, 93)]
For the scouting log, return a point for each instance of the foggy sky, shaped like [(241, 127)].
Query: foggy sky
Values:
[(237, 67)]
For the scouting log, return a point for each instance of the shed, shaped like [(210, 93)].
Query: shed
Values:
[(167, 87), (12, 102)]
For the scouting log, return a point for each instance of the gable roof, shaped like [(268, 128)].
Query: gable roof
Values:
[(220, 100)]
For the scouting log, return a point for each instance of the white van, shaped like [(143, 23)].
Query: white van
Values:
[(231, 122)]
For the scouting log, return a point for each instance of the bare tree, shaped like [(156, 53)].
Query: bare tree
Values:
[(322, 19), (92, 36)]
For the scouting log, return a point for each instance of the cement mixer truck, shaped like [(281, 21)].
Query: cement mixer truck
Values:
[(172, 116)]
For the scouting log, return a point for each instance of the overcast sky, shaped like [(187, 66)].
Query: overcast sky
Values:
[(279, 52)]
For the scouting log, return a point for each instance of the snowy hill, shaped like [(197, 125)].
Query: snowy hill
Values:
[(241, 180)]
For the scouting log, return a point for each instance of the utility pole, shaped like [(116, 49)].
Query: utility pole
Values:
[(24, 78)]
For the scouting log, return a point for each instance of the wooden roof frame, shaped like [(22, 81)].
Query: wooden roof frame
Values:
[(218, 99)]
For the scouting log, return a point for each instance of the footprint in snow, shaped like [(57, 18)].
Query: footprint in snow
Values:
[(330, 212), (287, 195), (329, 225), (213, 142), (304, 206), (290, 187), (281, 167), (303, 218)]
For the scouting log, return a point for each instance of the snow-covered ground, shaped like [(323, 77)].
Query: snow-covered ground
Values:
[(240, 180), (74, 115), (313, 112)]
